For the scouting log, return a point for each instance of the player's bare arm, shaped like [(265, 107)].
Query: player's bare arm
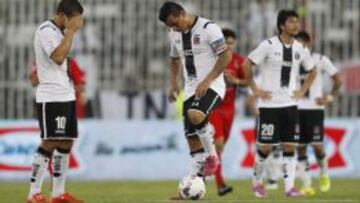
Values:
[(223, 60), (71, 27), (249, 79), (327, 99), (233, 80), (175, 65), (251, 104), (298, 94)]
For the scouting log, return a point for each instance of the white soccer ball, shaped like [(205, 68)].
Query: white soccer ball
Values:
[(192, 188)]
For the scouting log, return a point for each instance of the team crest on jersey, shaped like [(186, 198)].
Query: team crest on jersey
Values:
[(196, 39), (297, 56)]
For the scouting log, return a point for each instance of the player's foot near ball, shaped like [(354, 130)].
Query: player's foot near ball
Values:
[(65, 198), (37, 198), (294, 193), (177, 197), (308, 191), (259, 191), (224, 190), (211, 164), (324, 183)]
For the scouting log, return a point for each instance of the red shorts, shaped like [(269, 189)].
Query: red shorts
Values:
[(222, 119)]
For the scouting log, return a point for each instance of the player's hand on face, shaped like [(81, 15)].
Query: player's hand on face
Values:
[(264, 95), (74, 23), (297, 94), (173, 94), (202, 88)]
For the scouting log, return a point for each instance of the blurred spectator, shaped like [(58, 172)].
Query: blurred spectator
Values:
[(78, 78), (262, 21)]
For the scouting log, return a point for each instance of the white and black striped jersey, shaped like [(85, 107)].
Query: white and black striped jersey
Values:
[(198, 50), (323, 65), (55, 84), (279, 64)]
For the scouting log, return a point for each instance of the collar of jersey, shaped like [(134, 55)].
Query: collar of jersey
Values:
[(285, 45), (194, 23), (53, 22)]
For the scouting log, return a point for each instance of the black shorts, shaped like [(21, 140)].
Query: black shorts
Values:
[(205, 104), (278, 125), (57, 120), (311, 126)]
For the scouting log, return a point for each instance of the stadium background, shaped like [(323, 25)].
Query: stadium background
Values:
[(131, 131)]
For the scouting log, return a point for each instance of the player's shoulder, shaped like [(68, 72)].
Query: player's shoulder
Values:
[(269, 42), (206, 24), (46, 27), (299, 45)]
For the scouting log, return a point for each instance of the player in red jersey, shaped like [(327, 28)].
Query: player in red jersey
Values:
[(222, 117)]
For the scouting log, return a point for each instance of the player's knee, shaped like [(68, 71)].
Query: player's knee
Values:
[(289, 148), (44, 152), (319, 150), (195, 117), (263, 150), (194, 143), (301, 150)]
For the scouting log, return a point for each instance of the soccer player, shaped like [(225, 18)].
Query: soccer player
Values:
[(55, 98), (198, 45), (222, 117), (279, 59), (311, 117)]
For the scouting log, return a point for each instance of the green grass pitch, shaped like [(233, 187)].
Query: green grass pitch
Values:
[(343, 191)]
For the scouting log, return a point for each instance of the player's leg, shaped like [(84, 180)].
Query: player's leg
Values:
[(303, 168), (289, 138), (198, 116), (63, 123), (274, 168), (40, 159), (318, 146), (266, 137)]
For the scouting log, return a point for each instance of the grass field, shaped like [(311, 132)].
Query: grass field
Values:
[(343, 191)]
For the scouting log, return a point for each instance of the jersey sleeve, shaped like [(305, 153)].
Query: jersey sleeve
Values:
[(307, 61), (216, 38), (173, 51), (48, 40), (258, 55), (328, 66)]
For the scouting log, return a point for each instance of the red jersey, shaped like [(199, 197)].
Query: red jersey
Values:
[(235, 68)]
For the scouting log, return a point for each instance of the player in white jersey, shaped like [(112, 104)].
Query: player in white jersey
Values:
[(311, 118), (55, 99), (198, 45), (279, 59)]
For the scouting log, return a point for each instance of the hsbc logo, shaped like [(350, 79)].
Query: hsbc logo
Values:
[(336, 141), (17, 147)]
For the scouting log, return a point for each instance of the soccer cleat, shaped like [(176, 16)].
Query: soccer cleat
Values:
[(259, 191), (308, 191), (37, 198), (224, 190), (324, 183), (65, 198), (211, 164), (294, 193)]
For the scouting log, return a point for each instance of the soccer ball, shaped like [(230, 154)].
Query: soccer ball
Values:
[(192, 188)]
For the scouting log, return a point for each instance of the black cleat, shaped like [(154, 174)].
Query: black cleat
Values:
[(224, 190)]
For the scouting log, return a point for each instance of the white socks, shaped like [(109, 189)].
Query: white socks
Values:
[(323, 163), (39, 166), (289, 168), (304, 172), (273, 166), (206, 137), (259, 168), (197, 163), (60, 166)]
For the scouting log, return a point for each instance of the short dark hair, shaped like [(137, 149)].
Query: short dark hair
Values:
[(69, 7), (169, 8), (283, 17), (228, 33), (303, 35)]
